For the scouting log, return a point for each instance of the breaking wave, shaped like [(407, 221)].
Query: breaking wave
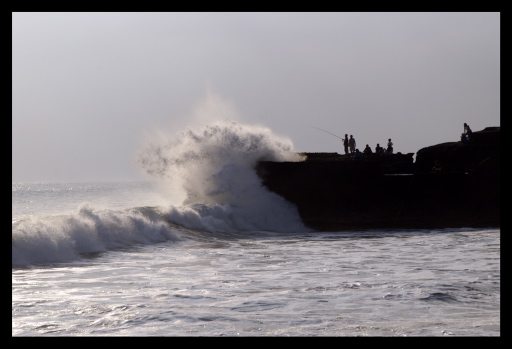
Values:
[(212, 184), (63, 238), (213, 167)]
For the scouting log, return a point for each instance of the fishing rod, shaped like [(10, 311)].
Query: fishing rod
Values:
[(332, 134)]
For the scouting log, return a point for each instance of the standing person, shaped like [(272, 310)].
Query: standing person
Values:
[(345, 144), (352, 144), (390, 147)]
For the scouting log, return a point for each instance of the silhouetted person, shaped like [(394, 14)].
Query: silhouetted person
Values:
[(467, 131), (352, 144), (378, 149), (367, 151), (358, 155), (345, 144), (390, 147)]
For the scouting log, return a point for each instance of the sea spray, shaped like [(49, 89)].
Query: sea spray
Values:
[(214, 166)]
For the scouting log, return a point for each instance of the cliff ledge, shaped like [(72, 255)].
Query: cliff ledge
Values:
[(335, 192)]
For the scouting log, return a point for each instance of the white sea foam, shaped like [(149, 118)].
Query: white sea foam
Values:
[(214, 187), (50, 239), (214, 166)]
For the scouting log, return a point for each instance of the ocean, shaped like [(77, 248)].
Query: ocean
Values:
[(205, 250)]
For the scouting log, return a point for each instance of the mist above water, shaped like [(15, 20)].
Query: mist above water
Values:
[(212, 168)]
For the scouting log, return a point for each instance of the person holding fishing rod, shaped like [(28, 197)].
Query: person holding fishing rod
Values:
[(345, 144), (346, 141)]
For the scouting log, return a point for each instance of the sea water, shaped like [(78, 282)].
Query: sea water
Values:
[(206, 250)]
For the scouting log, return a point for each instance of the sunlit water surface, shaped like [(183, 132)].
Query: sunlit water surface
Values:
[(374, 283)]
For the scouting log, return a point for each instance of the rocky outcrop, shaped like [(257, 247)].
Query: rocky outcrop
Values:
[(335, 192)]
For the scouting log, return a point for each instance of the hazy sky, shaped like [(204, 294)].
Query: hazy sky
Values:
[(86, 87)]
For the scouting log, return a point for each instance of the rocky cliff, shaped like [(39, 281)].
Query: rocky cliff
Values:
[(335, 192)]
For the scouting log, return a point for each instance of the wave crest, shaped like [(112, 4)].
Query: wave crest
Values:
[(52, 239), (214, 167)]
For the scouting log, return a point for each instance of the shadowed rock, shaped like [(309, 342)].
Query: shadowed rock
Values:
[(335, 192)]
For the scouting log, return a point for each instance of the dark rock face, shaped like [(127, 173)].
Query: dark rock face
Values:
[(335, 192)]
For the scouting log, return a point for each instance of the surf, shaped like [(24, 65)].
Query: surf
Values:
[(89, 231), (207, 173), (213, 167)]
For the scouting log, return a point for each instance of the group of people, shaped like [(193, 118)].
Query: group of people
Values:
[(349, 145)]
